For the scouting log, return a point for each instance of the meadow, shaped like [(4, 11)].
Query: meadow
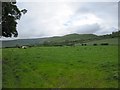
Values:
[(61, 67)]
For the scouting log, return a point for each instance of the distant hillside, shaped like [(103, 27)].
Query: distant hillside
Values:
[(61, 40), (111, 41), (20, 42), (72, 37), (39, 41), (79, 36)]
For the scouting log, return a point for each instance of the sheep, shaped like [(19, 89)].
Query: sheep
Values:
[(24, 47)]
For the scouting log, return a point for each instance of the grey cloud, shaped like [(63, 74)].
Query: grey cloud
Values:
[(108, 11), (87, 29)]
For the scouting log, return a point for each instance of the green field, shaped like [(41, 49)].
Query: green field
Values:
[(61, 67), (111, 41)]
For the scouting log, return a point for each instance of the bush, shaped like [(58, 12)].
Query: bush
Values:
[(104, 43), (94, 44), (84, 44)]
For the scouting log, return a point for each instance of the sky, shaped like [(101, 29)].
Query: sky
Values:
[(58, 18)]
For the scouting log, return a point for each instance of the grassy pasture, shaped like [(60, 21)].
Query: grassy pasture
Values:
[(61, 67), (111, 41)]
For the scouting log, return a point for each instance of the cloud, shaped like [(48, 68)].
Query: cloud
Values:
[(107, 11), (85, 29), (45, 19), (106, 30)]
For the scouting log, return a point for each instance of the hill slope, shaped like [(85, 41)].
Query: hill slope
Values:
[(39, 41), (111, 41), (70, 38)]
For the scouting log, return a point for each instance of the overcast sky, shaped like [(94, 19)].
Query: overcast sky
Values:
[(46, 19)]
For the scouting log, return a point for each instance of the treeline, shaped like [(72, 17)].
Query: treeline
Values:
[(113, 35)]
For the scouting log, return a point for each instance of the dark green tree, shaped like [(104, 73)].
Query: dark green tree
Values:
[(10, 13)]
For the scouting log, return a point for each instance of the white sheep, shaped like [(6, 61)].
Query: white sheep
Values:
[(24, 47)]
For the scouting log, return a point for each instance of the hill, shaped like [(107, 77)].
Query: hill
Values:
[(69, 39), (111, 41), (72, 37), (40, 41), (12, 43)]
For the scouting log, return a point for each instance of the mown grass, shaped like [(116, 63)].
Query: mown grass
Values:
[(61, 67)]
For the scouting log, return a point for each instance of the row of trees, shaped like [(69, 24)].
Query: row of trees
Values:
[(113, 35)]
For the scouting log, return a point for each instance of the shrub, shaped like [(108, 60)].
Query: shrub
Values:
[(104, 43), (94, 44)]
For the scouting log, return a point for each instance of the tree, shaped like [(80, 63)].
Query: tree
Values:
[(10, 13)]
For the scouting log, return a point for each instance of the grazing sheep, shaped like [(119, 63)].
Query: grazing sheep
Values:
[(24, 47)]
